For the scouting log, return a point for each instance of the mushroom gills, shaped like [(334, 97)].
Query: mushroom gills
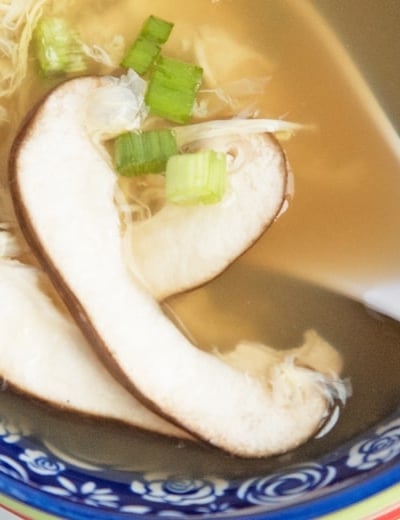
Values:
[(65, 205)]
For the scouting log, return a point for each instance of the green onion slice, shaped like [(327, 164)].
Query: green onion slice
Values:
[(137, 153), (147, 46), (156, 29), (141, 55), (172, 89), (195, 178), (58, 48)]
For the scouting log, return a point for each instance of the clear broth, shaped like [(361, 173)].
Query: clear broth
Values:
[(251, 301), (339, 232)]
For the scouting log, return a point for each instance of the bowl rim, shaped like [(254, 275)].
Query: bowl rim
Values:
[(312, 505), (307, 509)]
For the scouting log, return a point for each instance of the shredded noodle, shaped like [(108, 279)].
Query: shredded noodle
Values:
[(109, 54), (17, 21)]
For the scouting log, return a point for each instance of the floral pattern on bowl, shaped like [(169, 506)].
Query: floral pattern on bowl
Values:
[(33, 474)]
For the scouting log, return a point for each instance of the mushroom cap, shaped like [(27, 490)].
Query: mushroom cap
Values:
[(63, 192)]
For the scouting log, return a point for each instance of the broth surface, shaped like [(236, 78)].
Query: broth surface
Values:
[(251, 301), (338, 232)]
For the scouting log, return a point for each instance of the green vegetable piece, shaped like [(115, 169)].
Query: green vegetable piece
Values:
[(172, 89), (141, 55), (156, 29), (196, 178), (147, 46), (138, 153), (58, 49)]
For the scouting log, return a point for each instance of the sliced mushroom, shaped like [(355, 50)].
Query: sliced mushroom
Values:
[(184, 246), (45, 356), (63, 193)]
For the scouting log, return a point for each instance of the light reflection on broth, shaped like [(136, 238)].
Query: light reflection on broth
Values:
[(340, 226), (346, 172)]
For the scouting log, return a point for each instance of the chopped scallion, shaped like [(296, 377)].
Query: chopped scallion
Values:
[(58, 48), (146, 48), (156, 29), (136, 153), (172, 89), (196, 178), (141, 55)]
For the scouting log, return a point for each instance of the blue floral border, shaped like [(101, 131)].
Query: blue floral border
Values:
[(33, 474)]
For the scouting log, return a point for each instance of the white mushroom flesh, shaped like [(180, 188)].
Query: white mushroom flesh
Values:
[(44, 355), (63, 191), (183, 246)]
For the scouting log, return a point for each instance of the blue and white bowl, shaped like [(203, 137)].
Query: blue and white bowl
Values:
[(35, 474)]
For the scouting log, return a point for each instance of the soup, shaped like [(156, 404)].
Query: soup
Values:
[(262, 292)]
